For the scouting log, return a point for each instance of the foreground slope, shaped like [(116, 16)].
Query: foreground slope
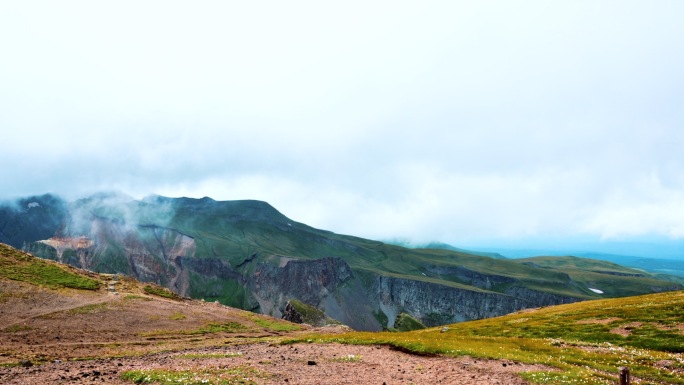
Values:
[(65, 326), (248, 255), (585, 342), (51, 311)]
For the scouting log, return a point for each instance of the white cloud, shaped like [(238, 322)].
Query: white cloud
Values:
[(439, 120), (652, 209)]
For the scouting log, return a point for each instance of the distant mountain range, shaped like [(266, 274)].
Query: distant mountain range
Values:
[(249, 255), (667, 266)]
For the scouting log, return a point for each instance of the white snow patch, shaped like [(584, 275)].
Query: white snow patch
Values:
[(33, 204), (597, 291)]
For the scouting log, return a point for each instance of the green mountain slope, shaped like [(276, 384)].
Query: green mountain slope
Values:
[(249, 255), (237, 230)]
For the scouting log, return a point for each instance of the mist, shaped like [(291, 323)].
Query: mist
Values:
[(471, 124)]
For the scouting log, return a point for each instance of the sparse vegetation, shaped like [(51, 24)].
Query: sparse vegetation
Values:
[(129, 297), (274, 324), (232, 376), (349, 358), (160, 292), (88, 309), (17, 328), (209, 355), (227, 327), (177, 316)]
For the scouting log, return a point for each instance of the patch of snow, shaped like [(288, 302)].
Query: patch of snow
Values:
[(33, 204), (597, 291)]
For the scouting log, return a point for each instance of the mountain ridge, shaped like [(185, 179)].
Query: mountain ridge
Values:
[(220, 250)]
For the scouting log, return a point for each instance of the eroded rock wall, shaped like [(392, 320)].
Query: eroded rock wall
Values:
[(330, 284)]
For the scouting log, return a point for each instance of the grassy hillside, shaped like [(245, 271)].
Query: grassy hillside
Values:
[(611, 279), (19, 266), (238, 230), (582, 343)]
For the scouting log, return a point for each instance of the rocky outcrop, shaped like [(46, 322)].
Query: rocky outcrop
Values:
[(536, 298), (307, 281), (290, 313), (299, 312), (433, 303)]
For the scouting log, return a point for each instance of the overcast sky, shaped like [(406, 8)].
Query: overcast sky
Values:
[(461, 121)]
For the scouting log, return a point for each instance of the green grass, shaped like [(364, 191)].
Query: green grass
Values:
[(88, 309), (274, 324), (160, 292), (568, 337), (177, 316), (131, 297), (17, 328), (210, 328), (405, 323), (19, 266), (227, 327), (238, 375), (659, 315)]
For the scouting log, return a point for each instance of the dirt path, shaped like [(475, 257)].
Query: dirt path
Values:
[(42, 302), (330, 364)]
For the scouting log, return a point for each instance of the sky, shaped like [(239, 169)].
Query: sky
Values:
[(471, 123)]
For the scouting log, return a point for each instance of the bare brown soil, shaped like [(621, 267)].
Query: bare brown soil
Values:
[(626, 329), (286, 364), (77, 337)]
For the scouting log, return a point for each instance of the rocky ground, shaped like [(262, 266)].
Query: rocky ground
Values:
[(282, 364)]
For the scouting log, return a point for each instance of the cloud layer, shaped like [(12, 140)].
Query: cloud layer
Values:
[(455, 121)]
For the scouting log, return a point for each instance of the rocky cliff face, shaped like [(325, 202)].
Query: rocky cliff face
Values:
[(330, 284), (275, 282)]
